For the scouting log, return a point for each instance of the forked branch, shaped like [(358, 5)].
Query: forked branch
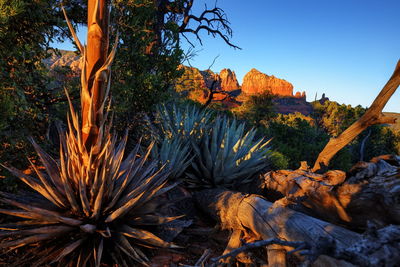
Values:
[(213, 21), (371, 117)]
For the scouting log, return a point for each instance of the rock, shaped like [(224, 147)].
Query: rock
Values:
[(64, 67), (191, 79), (323, 99), (66, 59), (228, 80), (256, 82), (301, 95)]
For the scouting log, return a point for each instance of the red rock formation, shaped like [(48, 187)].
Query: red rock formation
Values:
[(66, 59), (228, 80), (256, 82), (301, 95)]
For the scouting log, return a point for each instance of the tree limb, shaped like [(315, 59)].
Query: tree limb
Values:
[(295, 244), (372, 116), (213, 21)]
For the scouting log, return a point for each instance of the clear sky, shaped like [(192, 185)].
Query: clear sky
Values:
[(346, 49)]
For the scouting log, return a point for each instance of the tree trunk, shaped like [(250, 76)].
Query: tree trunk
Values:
[(96, 54)]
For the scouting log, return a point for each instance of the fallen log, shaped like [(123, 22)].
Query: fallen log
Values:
[(370, 192), (265, 220)]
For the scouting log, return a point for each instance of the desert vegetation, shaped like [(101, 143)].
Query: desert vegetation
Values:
[(132, 159)]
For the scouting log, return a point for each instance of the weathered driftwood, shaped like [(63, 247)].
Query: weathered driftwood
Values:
[(254, 215), (372, 116), (369, 192)]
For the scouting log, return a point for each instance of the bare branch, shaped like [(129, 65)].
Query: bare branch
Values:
[(213, 21), (213, 62), (298, 245), (373, 116)]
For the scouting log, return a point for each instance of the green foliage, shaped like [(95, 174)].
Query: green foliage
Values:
[(379, 140), (258, 109), (174, 154), (228, 156), (278, 161), (186, 122), (27, 101), (177, 127), (148, 57), (296, 139), (335, 118), (190, 80)]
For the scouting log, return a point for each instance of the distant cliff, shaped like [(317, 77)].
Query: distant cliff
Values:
[(195, 84), (228, 80), (256, 82), (65, 59)]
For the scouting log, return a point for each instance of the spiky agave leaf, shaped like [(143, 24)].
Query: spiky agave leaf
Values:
[(178, 126), (227, 156), (87, 201), (182, 122), (174, 154)]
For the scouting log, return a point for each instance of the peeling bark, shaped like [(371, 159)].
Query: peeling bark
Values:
[(369, 192), (269, 220)]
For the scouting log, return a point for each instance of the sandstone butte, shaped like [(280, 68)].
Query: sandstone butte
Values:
[(228, 80), (256, 82)]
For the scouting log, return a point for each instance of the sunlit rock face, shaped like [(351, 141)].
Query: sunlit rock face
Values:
[(66, 59), (228, 80), (256, 82), (301, 95)]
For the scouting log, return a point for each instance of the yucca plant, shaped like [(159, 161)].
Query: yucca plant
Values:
[(227, 156), (91, 206), (81, 210)]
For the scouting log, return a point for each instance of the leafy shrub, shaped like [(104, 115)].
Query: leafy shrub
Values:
[(278, 161)]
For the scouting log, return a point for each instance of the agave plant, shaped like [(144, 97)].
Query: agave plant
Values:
[(182, 122), (92, 205), (174, 155), (177, 127), (223, 153), (227, 156)]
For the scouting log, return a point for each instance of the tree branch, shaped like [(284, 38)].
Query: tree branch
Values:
[(213, 21), (295, 244), (371, 117)]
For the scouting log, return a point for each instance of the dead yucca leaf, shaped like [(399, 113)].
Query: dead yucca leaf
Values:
[(87, 205)]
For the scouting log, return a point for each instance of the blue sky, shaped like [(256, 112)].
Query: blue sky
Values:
[(346, 49)]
